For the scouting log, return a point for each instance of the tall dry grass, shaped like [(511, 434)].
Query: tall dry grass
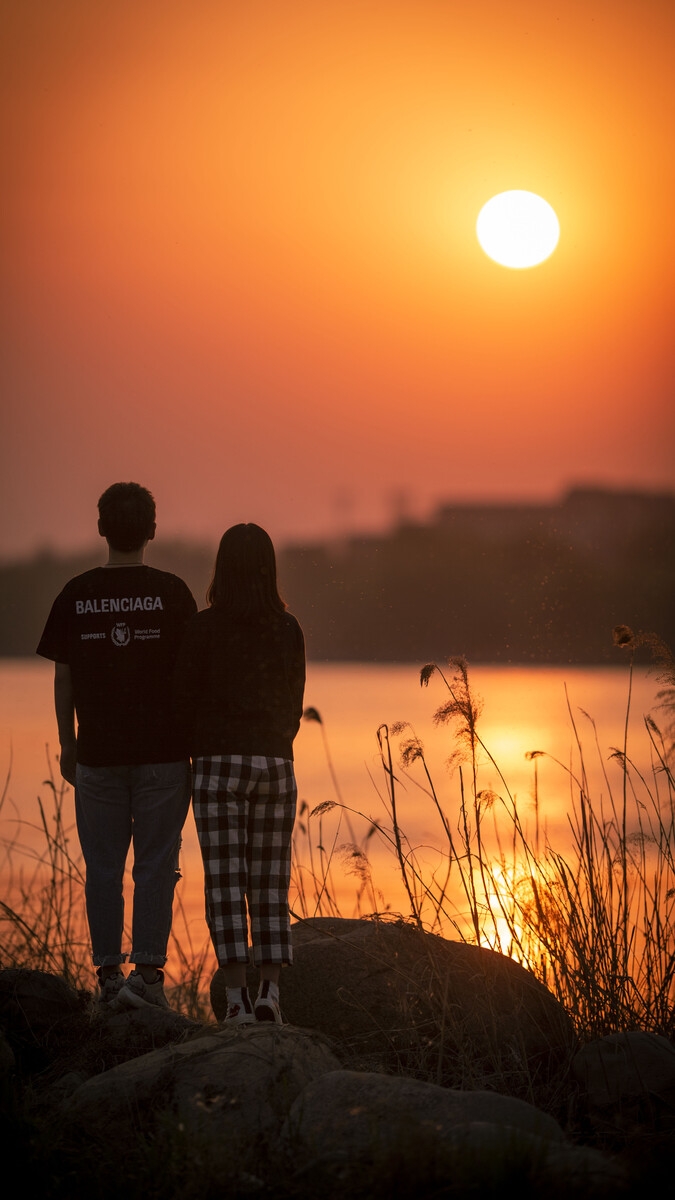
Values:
[(596, 923), (43, 923), (42, 918)]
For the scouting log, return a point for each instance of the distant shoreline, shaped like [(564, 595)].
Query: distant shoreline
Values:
[(518, 585)]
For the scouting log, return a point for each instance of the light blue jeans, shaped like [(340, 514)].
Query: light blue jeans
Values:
[(115, 806)]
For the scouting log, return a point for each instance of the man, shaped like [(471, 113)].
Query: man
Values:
[(113, 634)]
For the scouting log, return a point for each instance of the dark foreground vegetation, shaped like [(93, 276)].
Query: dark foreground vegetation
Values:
[(506, 583), (593, 929)]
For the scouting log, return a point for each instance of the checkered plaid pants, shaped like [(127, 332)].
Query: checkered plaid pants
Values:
[(244, 810)]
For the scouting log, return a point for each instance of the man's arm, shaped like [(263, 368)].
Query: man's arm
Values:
[(64, 705)]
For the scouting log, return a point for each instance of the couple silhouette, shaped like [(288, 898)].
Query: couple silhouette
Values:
[(157, 703)]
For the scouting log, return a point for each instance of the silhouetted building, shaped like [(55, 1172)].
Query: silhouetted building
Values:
[(496, 582), (502, 583)]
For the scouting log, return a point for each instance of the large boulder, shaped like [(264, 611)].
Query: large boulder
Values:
[(396, 999), (627, 1066), (34, 1006), (350, 1109), (37, 1012), (128, 1033), (57, 1032), (7, 1069), (232, 1085), (627, 1103), (351, 1127)]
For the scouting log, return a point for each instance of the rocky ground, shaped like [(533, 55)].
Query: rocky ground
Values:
[(409, 1065)]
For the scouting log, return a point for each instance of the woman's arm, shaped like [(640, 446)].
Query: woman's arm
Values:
[(297, 672)]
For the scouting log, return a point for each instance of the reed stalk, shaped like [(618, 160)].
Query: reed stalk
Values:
[(596, 924)]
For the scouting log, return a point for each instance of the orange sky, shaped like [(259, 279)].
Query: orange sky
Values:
[(240, 262)]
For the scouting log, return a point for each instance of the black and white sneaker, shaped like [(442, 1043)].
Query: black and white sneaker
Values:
[(239, 1007), (237, 1015), (267, 1003)]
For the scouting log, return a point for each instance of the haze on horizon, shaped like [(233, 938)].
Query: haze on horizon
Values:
[(240, 261)]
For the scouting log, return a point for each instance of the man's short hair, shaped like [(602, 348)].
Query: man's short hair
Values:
[(127, 516)]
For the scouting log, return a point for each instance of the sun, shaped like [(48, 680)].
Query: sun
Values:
[(518, 229)]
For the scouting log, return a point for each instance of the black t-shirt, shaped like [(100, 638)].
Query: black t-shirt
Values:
[(240, 683), (119, 629)]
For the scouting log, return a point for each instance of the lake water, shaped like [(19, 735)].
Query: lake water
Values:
[(524, 709)]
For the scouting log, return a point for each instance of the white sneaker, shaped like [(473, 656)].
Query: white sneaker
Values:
[(136, 993), (239, 1007), (237, 1015), (267, 1003), (267, 1009)]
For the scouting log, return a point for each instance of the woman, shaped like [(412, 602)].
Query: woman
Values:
[(240, 684)]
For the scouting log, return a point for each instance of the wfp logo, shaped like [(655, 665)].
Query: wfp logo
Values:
[(121, 634)]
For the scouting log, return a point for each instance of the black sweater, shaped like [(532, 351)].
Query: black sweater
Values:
[(240, 683)]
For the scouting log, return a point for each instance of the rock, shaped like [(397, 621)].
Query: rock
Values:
[(625, 1066), (484, 1155), (35, 1005), (38, 1012), (7, 1073), (348, 1109), (63, 1087), (137, 1031), (396, 999), (233, 1107), (581, 1171), (228, 1084), (347, 1126), (7, 1058), (54, 1031), (628, 1102)]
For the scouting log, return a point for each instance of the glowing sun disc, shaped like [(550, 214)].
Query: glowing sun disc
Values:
[(518, 229)]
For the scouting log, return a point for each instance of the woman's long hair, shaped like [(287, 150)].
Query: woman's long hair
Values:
[(245, 575)]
